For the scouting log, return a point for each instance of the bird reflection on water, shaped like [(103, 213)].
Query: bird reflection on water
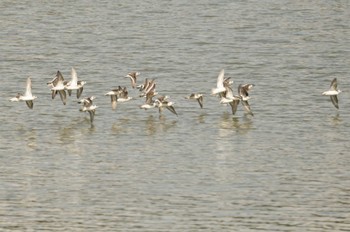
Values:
[(162, 124), (119, 127), (31, 139), (336, 120), (201, 118), (240, 124), (150, 127)]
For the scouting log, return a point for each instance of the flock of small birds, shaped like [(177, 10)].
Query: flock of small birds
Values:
[(147, 90)]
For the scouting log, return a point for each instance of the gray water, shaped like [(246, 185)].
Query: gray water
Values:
[(285, 169)]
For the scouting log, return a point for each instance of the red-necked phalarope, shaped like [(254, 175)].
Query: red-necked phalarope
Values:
[(133, 77), (162, 102), (227, 97), (147, 86), (88, 107), (243, 94), (58, 85), (333, 92), (27, 97), (150, 103), (198, 97), (219, 84), (118, 95), (74, 84)]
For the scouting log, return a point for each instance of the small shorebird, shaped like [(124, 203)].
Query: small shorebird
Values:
[(150, 103), (227, 82), (333, 92), (133, 77), (114, 93), (219, 84), (58, 85), (198, 97), (88, 107), (27, 97), (243, 94), (227, 97), (162, 102), (147, 86), (124, 96), (243, 91), (74, 84), (144, 85), (114, 98), (118, 95)]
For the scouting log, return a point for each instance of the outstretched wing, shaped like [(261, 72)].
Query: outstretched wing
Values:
[(247, 107), (29, 104), (220, 81), (334, 100), (28, 87), (63, 96), (334, 84), (171, 109), (200, 101), (234, 105), (74, 77)]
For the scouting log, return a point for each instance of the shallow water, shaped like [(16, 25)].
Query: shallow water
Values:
[(285, 169)]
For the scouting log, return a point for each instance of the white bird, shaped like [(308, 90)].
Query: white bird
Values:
[(219, 84), (114, 97), (146, 87), (228, 98), (124, 96), (150, 103), (58, 85), (243, 94), (118, 95), (243, 91), (27, 97), (133, 78), (333, 92), (198, 97), (162, 102), (74, 84), (88, 107)]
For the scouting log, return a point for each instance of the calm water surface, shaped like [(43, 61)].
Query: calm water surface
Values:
[(285, 169)]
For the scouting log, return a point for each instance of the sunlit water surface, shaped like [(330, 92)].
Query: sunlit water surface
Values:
[(285, 169)]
